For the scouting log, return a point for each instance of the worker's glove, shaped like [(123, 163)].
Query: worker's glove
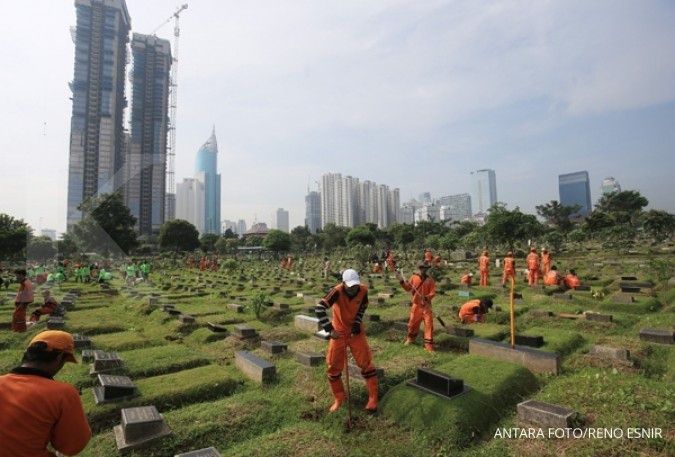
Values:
[(356, 328)]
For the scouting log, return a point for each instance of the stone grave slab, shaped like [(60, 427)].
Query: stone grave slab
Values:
[(570, 316), (355, 372), (88, 355), (322, 335), (173, 312), (437, 383), (216, 328), (114, 388), (597, 317), (257, 369), (610, 353), (186, 319), (206, 452), (140, 426), (530, 341), (274, 347), (401, 326), (167, 307), (535, 360), (464, 293), (583, 288), (546, 415), (153, 301), (55, 323), (310, 359), (244, 331), (81, 341), (374, 317), (658, 335), (235, 307), (306, 323), (629, 278), (281, 306), (106, 362), (562, 296), (541, 313)]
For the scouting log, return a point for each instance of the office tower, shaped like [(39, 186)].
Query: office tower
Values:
[(575, 189), (393, 206), (190, 202), (455, 207), (484, 188), (331, 196), (95, 164), (406, 214), (610, 185), (425, 198), (241, 227), (207, 164), (146, 154), (313, 211), (282, 220)]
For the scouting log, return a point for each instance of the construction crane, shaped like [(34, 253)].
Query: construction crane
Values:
[(170, 204)]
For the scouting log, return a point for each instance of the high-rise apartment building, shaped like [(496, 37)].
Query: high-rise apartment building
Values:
[(455, 207), (207, 164), (313, 211), (575, 189), (425, 198), (484, 188), (610, 185), (96, 157), (282, 220), (49, 233), (190, 202), (428, 213), (146, 154), (241, 227)]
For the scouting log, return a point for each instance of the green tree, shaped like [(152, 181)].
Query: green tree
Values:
[(623, 207), (178, 235), (14, 235), (226, 245), (463, 228), (361, 235), (596, 222), (300, 237), (207, 242), (67, 245), (508, 227), (403, 234), (450, 241), (553, 239), (41, 248), (620, 237), (333, 236), (107, 225), (230, 234), (658, 224), (433, 241), (277, 241), (557, 215)]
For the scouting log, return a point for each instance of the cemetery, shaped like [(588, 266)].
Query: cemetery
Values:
[(196, 363)]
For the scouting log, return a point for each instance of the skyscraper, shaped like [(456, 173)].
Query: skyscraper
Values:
[(425, 198), (146, 157), (313, 211), (282, 220), (610, 185), (455, 207), (575, 189), (96, 127), (207, 163), (484, 189), (241, 227), (190, 202)]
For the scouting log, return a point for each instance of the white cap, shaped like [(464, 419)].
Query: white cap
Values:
[(350, 277)]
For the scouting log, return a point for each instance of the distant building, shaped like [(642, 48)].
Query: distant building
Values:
[(241, 227), (575, 189), (229, 225), (282, 220), (610, 185), (207, 163), (428, 213), (258, 228), (190, 202), (484, 189), (406, 214), (425, 198), (313, 211), (455, 207), (49, 233)]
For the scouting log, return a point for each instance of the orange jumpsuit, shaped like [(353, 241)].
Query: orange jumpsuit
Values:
[(347, 313), (377, 268), (484, 267), (532, 268), (546, 262), (572, 281), (391, 263), (48, 307), (509, 269), (551, 278), (428, 257), (465, 280), (423, 291), (24, 297), (470, 313)]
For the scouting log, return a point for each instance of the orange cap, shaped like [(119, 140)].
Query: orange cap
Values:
[(58, 341)]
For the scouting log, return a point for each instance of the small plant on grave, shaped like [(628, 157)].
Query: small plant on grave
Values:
[(258, 303)]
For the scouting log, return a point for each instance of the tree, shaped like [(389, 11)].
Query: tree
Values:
[(178, 235), (333, 236), (66, 246), (361, 235), (13, 236), (300, 237), (230, 234), (623, 207), (207, 242), (41, 248), (508, 227), (557, 215), (226, 245), (450, 241), (403, 234), (553, 239), (277, 241), (596, 222), (107, 225), (658, 224)]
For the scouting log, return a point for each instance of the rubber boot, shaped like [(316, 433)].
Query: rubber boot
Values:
[(338, 392), (408, 341), (429, 347), (371, 386)]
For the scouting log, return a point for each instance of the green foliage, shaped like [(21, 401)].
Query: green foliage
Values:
[(658, 224), (333, 236), (508, 227), (178, 235), (558, 215), (277, 241), (226, 245), (623, 207), (403, 234), (361, 236), (618, 237), (13, 236), (107, 225), (207, 242), (553, 239), (41, 248), (258, 303), (433, 241), (662, 269), (230, 234), (449, 241), (300, 238), (229, 265)]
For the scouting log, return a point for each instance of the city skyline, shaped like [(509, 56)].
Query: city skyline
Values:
[(556, 93)]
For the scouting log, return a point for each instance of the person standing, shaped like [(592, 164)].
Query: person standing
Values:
[(532, 267), (545, 261), (423, 289), (24, 298), (484, 267), (509, 268)]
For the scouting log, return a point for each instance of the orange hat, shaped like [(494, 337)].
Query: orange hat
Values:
[(58, 341)]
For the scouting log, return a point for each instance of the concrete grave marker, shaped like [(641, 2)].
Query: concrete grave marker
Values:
[(106, 362), (88, 355), (81, 341), (533, 359), (55, 323), (244, 331), (306, 323), (274, 347), (235, 307), (173, 312), (374, 317), (546, 415), (186, 319), (114, 388), (630, 289), (310, 359), (541, 313), (257, 369), (629, 278), (460, 331), (216, 328), (437, 383), (656, 335), (139, 427), (207, 452), (464, 293), (530, 341), (612, 353), (355, 372), (597, 317), (281, 306)]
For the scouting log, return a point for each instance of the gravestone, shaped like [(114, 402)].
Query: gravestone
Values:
[(322, 335), (385, 295), (173, 312), (55, 323), (656, 335), (88, 355), (306, 323), (629, 278), (244, 332), (206, 452), (274, 347), (140, 426), (464, 293), (559, 295), (310, 359), (541, 313), (216, 328), (186, 319), (630, 289), (167, 307), (257, 369), (374, 317), (583, 288), (235, 307), (597, 317), (530, 341), (114, 388), (281, 306), (570, 316), (612, 353), (401, 326), (546, 415), (81, 341), (153, 301), (437, 383), (355, 372), (535, 360), (106, 362)]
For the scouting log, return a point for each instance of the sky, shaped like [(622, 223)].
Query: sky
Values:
[(412, 94)]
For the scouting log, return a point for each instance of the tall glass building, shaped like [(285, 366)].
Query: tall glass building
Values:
[(484, 189), (207, 166), (575, 189), (97, 145), (313, 211)]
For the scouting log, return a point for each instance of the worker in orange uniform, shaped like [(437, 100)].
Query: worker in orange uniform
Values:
[(38, 411), (24, 298), (423, 288), (349, 301), (552, 278), (474, 311), (545, 261), (571, 280), (428, 256), (484, 268), (282, 263), (377, 267), (532, 267), (391, 262), (509, 268), (48, 307), (467, 279)]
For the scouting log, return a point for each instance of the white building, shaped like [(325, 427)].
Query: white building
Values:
[(455, 208), (282, 220), (190, 202), (484, 189), (49, 233), (241, 227), (428, 213)]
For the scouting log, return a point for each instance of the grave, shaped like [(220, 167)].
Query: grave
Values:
[(533, 359), (140, 426), (274, 347), (464, 293), (322, 335), (570, 316), (310, 359), (629, 278), (657, 335), (216, 328), (583, 288), (106, 362), (546, 415), (281, 306), (530, 341), (630, 289), (206, 452), (235, 307), (167, 307), (540, 313), (401, 326), (257, 369), (88, 355), (460, 331), (114, 388), (55, 323), (306, 323), (244, 332), (81, 341), (597, 317), (173, 312), (186, 319), (374, 317), (611, 353), (437, 383), (355, 372), (153, 301), (561, 295)]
